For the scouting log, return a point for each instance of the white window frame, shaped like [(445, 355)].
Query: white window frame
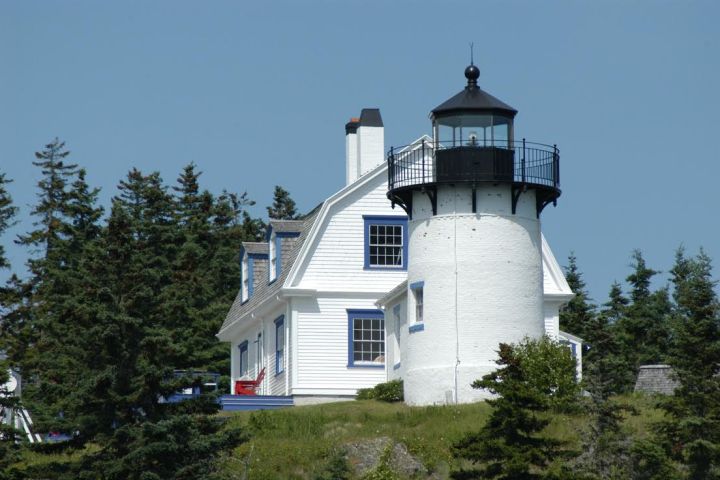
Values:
[(272, 257), (245, 278)]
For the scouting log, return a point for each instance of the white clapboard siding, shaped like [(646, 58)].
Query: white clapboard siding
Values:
[(322, 347), (337, 257), (273, 384)]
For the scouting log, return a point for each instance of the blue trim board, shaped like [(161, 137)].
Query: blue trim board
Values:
[(279, 359), (418, 327), (385, 220), (417, 285), (365, 313)]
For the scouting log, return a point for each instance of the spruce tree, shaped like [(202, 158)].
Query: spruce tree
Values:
[(283, 207), (46, 310), (605, 452), (644, 328), (534, 377), (8, 446), (578, 313), (692, 432), (7, 214)]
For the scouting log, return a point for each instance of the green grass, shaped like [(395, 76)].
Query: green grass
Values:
[(297, 443)]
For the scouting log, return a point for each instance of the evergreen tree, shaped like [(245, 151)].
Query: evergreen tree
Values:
[(578, 313), (7, 213), (692, 432), (8, 435), (44, 316), (605, 452), (644, 328), (534, 377), (283, 207)]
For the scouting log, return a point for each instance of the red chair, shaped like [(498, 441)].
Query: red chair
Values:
[(249, 387)]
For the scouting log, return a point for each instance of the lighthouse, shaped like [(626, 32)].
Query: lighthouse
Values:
[(473, 194)]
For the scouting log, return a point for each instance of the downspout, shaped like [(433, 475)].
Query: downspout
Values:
[(457, 330)]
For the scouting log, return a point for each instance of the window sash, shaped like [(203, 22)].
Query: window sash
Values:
[(279, 346), (368, 340), (418, 304), (385, 245), (244, 360)]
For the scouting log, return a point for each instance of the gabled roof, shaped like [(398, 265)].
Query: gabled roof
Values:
[(266, 291), (255, 248)]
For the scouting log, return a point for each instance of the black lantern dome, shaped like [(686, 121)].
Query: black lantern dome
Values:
[(473, 117)]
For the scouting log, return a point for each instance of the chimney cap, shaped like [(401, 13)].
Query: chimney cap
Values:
[(370, 117)]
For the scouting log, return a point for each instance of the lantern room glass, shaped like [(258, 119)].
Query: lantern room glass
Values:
[(472, 130)]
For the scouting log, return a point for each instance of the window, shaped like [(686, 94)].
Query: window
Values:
[(385, 242), (366, 339), (417, 290), (280, 345), (243, 358), (272, 248), (245, 279)]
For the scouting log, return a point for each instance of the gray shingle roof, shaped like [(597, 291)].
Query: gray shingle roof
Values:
[(286, 225), (255, 247), (265, 290)]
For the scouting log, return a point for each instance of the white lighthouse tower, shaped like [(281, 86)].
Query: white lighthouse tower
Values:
[(473, 195)]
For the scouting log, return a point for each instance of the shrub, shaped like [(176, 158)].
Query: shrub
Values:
[(385, 392)]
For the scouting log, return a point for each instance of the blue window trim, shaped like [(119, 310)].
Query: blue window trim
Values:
[(243, 347), (352, 314), (251, 267), (278, 250), (279, 365), (418, 327), (385, 220)]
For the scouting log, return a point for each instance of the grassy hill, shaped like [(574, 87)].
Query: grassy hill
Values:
[(302, 442)]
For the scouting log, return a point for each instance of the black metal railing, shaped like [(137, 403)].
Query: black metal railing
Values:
[(428, 162)]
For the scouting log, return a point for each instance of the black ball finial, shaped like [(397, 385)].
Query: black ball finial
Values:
[(472, 73)]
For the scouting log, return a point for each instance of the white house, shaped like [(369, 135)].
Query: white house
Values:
[(323, 301)]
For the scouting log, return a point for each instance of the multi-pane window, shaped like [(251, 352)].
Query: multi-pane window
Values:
[(279, 345), (386, 245), (385, 242), (418, 294), (243, 359), (367, 338)]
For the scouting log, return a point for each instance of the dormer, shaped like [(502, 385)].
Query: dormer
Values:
[(253, 267), (281, 237)]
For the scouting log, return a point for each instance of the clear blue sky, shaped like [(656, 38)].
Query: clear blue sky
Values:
[(257, 94)]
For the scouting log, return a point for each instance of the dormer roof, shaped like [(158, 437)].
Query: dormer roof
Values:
[(255, 248), (284, 226)]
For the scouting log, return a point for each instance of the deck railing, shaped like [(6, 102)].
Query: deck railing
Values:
[(428, 162)]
